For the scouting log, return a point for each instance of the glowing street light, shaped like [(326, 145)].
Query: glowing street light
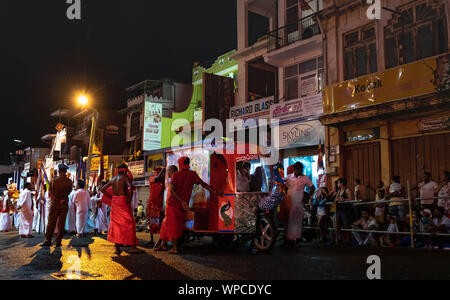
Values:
[(83, 100)]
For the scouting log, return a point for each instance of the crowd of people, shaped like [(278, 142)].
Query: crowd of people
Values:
[(382, 221), (86, 214), (388, 214)]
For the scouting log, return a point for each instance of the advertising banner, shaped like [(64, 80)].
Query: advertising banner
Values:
[(137, 168), (414, 79), (152, 126), (298, 110), (259, 109), (97, 149), (155, 161), (301, 134)]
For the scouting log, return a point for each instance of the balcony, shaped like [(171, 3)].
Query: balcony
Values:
[(293, 40)]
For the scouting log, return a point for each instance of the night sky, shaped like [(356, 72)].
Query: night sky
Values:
[(45, 58)]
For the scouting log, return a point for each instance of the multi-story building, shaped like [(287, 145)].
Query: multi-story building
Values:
[(386, 106), (281, 73)]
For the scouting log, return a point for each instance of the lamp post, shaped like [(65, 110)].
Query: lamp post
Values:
[(83, 101)]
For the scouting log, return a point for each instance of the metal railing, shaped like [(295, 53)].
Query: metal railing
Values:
[(289, 34), (410, 202)]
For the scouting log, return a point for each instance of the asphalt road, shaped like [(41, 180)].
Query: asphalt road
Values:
[(25, 259)]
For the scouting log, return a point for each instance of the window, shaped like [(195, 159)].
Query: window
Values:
[(135, 124), (304, 79), (423, 33), (360, 53), (297, 11)]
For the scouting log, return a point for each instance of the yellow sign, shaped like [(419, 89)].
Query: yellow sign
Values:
[(414, 79), (155, 161), (98, 143), (95, 163)]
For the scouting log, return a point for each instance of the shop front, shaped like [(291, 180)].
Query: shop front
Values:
[(301, 133), (390, 123)]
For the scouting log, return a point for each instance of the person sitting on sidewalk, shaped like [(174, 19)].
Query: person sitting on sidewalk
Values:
[(367, 223)]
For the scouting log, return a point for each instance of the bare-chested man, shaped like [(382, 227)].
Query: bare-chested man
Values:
[(122, 227)]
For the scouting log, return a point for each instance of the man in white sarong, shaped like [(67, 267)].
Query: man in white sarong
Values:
[(5, 220), (25, 206), (101, 220), (81, 200), (71, 215)]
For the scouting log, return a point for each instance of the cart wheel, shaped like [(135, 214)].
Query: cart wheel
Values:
[(223, 240), (265, 237)]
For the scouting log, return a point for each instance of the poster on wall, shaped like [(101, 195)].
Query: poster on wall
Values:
[(302, 134), (137, 168), (152, 126), (298, 110)]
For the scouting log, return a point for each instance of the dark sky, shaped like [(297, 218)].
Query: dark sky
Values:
[(45, 58)]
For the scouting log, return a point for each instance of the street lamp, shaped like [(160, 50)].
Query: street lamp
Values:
[(83, 101)]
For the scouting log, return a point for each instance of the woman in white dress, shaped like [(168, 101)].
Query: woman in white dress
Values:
[(296, 183)]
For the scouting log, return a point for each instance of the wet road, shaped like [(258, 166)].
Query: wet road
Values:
[(24, 259)]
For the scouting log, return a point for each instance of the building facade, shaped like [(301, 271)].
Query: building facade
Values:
[(283, 71), (386, 109)]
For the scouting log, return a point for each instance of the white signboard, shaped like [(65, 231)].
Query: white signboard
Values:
[(152, 126), (298, 110), (301, 134), (259, 109)]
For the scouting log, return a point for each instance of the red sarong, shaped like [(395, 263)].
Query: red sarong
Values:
[(173, 225), (122, 227), (155, 205)]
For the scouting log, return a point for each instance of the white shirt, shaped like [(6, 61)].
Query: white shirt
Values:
[(25, 199), (444, 192), (444, 221), (81, 199), (296, 186), (428, 190)]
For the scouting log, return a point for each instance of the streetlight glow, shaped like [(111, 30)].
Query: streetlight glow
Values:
[(83, 100)]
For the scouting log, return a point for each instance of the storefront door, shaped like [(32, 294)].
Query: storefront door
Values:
[(411, 157), (363, 162)]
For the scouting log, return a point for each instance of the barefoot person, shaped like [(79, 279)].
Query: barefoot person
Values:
[(178, 203), (25, 206), (155, 203), (122, 227), (81, 200)]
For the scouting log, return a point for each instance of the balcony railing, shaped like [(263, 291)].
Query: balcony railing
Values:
[(303, 29)]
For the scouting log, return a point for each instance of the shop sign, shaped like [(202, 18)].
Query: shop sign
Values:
[(298, 110), (302, 134), (154, 162), (259, 109), (414, 79), (137, 168), (436, 124), (152, 126), (95, 163)]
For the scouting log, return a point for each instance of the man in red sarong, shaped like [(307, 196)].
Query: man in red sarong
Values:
[(155, 203), (178, 203), (122, 227)]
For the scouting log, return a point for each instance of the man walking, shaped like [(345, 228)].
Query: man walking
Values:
[(59, 191), (25, 206), (81, 200)]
